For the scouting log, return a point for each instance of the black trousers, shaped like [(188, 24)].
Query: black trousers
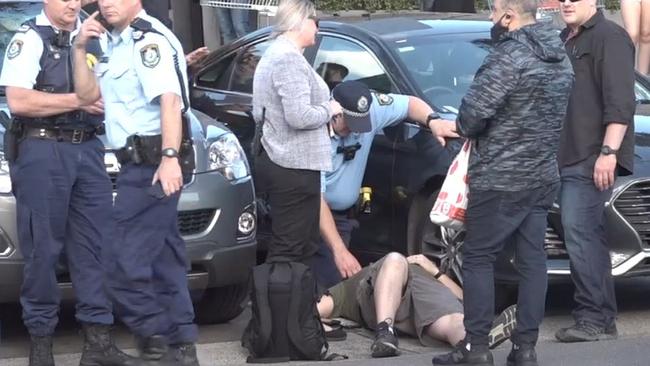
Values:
[(294, 199), (493, 218)]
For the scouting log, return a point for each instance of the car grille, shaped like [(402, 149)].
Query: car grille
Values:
[(113, 177), (634, 205), (553, 243), (195, 222)]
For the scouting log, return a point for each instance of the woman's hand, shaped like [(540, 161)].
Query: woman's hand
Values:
[(424, 262), (335, 107)]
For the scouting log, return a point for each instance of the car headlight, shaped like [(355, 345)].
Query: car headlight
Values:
[(5, 179), (226, 156)]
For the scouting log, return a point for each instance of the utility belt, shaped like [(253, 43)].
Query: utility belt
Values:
[(147, 150), (17, 130)]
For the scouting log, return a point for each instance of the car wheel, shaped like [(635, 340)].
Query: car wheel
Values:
[(221, 304), (441, 244)]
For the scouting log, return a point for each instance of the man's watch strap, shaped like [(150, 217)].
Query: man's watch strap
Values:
[(170, 152), (432, 116), (606, 150)]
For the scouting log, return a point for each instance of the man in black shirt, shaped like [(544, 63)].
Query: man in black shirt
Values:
[(597, 144)]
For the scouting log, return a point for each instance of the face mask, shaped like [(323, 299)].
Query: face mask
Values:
[(498, 30)]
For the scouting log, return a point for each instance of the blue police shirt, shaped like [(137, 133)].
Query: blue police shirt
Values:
[(22, 64), (135, 71), (341, 186)]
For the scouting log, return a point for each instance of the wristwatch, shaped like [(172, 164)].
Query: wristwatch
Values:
[(431, 116), (606, 150), (170, 152)]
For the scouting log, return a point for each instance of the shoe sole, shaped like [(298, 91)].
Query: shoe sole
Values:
[(570, 339), (502, 327), (464, 364), (383, 349), (524, 363)]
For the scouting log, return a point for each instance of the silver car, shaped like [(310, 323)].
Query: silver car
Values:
[(216, 211)]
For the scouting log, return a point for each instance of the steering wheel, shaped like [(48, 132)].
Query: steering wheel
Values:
[(439, 89)]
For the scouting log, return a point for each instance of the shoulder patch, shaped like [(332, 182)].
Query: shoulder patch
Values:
[(14, 49), (384, 99), (150, 55)]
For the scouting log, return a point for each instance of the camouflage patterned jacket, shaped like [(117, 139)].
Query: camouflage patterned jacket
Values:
[(514, 111)]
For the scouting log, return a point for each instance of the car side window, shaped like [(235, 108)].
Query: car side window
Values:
[(340, 59), (244, 69), (218, 75), (642, 94)]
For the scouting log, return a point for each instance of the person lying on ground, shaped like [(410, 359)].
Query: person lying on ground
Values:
[(410, 295)]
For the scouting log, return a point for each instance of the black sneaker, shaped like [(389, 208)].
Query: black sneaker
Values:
[(503, 326), (523, 355), (465, 355), (40, 351), (584, 331), (385, 344), (183, 354)]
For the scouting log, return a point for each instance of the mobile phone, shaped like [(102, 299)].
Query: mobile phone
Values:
[(100, 18)]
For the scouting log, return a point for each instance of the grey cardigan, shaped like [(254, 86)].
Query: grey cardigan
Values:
[(297, 108)]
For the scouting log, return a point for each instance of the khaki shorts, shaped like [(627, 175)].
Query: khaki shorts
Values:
[(424, 301)]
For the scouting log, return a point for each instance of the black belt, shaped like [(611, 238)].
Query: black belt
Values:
[(75, 136)]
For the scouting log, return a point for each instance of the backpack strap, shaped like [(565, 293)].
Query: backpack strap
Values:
[(261, 276), (293, 328)]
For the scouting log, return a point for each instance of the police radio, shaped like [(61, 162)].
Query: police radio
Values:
[(348, 152)]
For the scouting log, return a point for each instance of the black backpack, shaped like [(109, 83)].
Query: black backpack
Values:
[(285, 324)]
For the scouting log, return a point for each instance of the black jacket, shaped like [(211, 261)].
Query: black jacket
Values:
[(514, 111)]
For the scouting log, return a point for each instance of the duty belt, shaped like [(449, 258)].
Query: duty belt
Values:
[(75, 136)]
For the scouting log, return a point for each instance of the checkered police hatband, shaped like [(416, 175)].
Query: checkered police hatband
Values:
[(355, 114)]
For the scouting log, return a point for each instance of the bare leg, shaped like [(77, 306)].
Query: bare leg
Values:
[(448, 328), (631, 14), (389, 285), (644, 39)]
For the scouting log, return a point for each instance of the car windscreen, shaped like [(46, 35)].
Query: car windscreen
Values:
[(442, 66), (12, 15)]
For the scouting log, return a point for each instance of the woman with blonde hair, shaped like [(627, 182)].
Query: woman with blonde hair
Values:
[(293, 105), (636, 19)]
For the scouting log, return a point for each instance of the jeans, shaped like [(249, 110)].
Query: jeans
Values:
[(583, 220), (233, 23), (492, 219)]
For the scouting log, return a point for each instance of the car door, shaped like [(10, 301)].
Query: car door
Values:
[(342, 58), (224, 90)]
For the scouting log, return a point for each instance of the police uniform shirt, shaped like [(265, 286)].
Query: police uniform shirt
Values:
[(136, 69), (21, 64), (341, 185)]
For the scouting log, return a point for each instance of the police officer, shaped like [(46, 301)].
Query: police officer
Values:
[(142, 76), (62, 190), (364, 115)]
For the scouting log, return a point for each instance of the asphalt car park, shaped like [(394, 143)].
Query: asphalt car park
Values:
[(216, 211), (432, 56)]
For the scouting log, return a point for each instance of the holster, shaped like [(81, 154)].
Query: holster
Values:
[(147, 150), (11, 138)]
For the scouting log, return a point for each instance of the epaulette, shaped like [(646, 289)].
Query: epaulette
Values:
[(23, 28), (140, 28)]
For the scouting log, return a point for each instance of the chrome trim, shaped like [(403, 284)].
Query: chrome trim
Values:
[(617, 271), (626, 266), (215, 218), (10, 248)]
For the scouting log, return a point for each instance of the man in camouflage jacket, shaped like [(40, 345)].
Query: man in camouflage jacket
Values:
[(513, 112)]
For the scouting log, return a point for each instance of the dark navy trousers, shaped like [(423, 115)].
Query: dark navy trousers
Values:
[(493, 218), (63, 204), (149, 261)]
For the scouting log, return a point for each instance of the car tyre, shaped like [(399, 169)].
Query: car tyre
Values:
[(221, 304)]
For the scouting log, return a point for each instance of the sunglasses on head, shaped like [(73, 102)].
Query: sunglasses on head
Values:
[(563, 1), (315, 19)]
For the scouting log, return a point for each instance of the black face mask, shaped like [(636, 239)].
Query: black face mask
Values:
[(498, 30)]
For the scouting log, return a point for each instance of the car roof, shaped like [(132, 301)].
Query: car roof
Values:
[(388, 25)]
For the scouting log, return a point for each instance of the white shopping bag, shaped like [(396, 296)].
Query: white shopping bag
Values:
[(449, 208)]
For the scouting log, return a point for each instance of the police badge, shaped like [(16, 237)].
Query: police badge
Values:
[(14, 49), (150, 55)]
